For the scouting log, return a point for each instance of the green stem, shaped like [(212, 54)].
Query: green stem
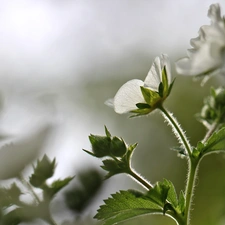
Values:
[(192, 173), (29, 187), (177, 130), (211, 130), (140, 179)]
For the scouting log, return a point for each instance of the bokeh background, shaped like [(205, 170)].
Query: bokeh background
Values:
[(61, 60)]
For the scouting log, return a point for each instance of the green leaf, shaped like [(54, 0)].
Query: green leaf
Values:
[(43, 170), (55, 187), (113, 167), (181, 202), (125, 205), (215, 143), (159, 193), (10, 196), (172, 195)]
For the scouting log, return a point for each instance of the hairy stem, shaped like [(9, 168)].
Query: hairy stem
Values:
[(192, 173), (177, 130), (140, 179)]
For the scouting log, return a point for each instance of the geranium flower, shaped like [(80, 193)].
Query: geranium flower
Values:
[(207, 55), (142, 97)]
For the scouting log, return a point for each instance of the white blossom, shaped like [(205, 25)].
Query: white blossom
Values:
[(207, 53), (131, 93)]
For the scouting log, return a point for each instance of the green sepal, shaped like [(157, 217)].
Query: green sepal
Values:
[(125, 205), (100, 145), (151, 97), (118, 147), (114, 167), (43, 170), (140, 112), (171, 86), (143, 106), (164, 81), (161, 89), (108, 134)]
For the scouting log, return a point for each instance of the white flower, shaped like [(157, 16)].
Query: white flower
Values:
[(207, 54), (142, 97), (14, 157)]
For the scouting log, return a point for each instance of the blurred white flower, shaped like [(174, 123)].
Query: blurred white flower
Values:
[(140, 97), (207, 55), (14, 157)]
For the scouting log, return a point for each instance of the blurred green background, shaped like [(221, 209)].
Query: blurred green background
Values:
[(62, 60)]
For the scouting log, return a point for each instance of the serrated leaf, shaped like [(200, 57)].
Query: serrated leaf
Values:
[(181, 202), (56, 186), (215, 143), (125, 205), (172, 195), (113, 167), (158, 193), (10, 196), (43, 170)]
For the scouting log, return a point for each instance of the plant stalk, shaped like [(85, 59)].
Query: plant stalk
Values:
[(177, 129), (140, 179)]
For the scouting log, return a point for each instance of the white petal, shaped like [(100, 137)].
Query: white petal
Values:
[(214, 13), (128, 96), (153, 78), (200, 63)]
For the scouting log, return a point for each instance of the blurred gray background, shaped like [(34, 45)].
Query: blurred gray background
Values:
[(61, 60)]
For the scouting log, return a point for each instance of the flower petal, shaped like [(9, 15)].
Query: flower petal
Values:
[(207, 53), (154, 76), (128, 96)]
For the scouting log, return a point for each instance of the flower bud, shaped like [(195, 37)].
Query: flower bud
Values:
[(118, 148), (100, 145)]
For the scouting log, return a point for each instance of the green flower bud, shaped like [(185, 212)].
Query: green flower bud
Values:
[(100, 145), (118, 147)]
